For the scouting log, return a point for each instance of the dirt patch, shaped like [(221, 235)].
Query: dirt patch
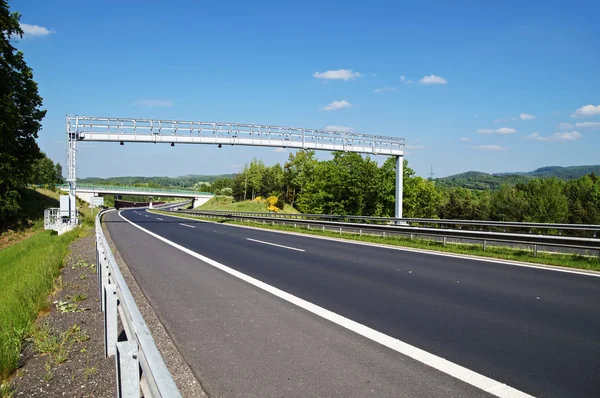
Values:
[(64, 356), (11, 237)]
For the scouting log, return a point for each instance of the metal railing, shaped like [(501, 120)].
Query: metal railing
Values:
[(497, 226), (119, 188), (140, 366), (393, 226)]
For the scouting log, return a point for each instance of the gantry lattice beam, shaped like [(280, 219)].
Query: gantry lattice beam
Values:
[(219, 133)]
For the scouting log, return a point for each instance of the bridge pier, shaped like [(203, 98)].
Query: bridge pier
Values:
[(399, 182)]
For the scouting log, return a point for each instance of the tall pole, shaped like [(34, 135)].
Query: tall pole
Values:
[(399, 172), (71, 171)]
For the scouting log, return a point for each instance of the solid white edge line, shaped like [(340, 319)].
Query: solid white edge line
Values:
[(185, 225), (554, 268), (275, 244), (468, 376)]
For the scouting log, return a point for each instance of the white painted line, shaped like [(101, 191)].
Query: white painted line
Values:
[(554, 268), (145, 215), (480, 381), (275, 244), (159, 218), (185, 225)]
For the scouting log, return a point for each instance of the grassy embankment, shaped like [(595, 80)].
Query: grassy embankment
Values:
[(504, 253), (224, 203), (29, 264)]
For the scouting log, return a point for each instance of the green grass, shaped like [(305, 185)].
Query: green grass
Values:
[(224, 203), (27, 273), (591, 263)]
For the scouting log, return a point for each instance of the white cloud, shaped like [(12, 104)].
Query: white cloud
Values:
[(500, 131), (587, 124), (335, 105), (565, 126), (465, 139), (433, 79), (403, 80), (587, 111), (490, 148), (154, 103), (385, 90), (526, 116), (341, 74), (35, 30), (342, 129), (279, 150), (561, 136), (414, 146)]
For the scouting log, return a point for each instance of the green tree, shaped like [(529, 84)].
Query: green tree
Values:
[(298, 172), (508, 204), (547, 201), (20, 118)]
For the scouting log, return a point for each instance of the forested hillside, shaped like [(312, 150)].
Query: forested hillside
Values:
[(480, 181)]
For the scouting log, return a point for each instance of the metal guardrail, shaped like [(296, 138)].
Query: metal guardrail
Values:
[(140, 366), (136, 189), (391, 228), (593, 229)]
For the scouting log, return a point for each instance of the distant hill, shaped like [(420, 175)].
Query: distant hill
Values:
[(480, 181), (186, 181)]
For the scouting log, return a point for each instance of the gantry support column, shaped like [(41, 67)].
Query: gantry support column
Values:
[(399, 175), (71, 172)]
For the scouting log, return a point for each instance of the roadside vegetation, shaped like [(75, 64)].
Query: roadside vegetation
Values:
[(27, 275), (591, 263), (227, 203)]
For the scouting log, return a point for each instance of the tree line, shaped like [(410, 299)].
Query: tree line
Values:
[(21, 161), (352, 184)]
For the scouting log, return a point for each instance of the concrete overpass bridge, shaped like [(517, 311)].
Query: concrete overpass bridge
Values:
[(87, 192)]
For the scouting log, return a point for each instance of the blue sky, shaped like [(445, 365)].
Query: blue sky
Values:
[(471, 85)]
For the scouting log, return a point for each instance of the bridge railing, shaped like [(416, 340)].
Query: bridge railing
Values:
[(140, 366), (120, 188), (496, 232)]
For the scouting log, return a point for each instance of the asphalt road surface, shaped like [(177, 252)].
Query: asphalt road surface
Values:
[(535, 330)]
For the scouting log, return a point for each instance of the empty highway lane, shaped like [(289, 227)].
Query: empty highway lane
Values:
[(535, 330)]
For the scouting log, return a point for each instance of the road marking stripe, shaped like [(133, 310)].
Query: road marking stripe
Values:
[(554, 268), (275, 244), (478, 380), (185, 225), (159, 218)]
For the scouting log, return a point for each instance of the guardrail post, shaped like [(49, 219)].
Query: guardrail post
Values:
[(110, 320), (484, 245), (103, 277), (444, 241), (128, 369), (535, 250), (340, 230), (99, 272)]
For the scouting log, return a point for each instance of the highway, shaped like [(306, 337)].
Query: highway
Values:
[(535, 330)]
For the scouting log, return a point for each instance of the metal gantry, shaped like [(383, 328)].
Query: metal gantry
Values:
[(122, 130)]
